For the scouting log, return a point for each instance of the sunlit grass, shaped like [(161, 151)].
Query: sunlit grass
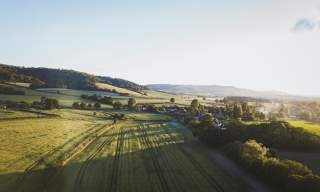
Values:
[(312, 127)]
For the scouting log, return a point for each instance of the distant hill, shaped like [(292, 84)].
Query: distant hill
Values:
[(61, 78), (212, 90)]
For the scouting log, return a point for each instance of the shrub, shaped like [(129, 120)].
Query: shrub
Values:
[(117, 105), (97, 105), (131, 103), (10, 91), (76, 105), (285, 174)]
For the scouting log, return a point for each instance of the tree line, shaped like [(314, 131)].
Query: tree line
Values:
[(10, 91)]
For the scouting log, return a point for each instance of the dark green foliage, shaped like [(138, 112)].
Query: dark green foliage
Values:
[(59, 78), (237, 111), (82, 105), (76, 105), (15, 105), (51, 103), (172, 100), (97, 105), (194, 105), (117, 105), (10, 91), (307, 183), (106, 100), (13, 74), (131, 103), (275, 134), (46, 103), (286, 175), (98, 98)]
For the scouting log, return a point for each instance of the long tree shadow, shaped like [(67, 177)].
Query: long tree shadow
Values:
[(143, 159)]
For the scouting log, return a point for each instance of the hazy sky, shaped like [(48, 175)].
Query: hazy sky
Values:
[(256, 44)]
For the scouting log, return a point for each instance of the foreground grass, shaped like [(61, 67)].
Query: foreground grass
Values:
[(134, 155), (25, 141)]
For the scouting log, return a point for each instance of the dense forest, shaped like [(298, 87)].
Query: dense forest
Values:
[(60, 78)]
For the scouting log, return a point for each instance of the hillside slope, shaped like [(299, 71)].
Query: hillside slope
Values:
[(61, 78)]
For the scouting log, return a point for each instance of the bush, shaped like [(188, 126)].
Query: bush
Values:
[(51, 103), (117, 105), (131, 103), (10, 91), (285, 174), (97, 105), (76, 105)]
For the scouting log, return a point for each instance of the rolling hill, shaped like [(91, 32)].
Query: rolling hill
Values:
[(212, 90), (61, 78)]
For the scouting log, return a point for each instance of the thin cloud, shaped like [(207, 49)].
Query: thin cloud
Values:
[(307, 24), (310, 23)]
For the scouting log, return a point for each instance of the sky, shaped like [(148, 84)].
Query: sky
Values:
[(255, 44)]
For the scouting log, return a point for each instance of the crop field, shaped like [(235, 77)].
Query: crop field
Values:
[(79, 151)]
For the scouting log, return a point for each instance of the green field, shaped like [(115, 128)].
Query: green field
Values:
[(66, 100), (13, 114), (83, 150), (79, 151), (66, 97), (311, 127)]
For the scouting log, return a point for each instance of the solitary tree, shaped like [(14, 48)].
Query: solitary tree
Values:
[(194, 105), (131, 103), (117, 105), (76, 105), (172, 100), (82, 105), (237, 111), (51, 103), (97, 105)]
